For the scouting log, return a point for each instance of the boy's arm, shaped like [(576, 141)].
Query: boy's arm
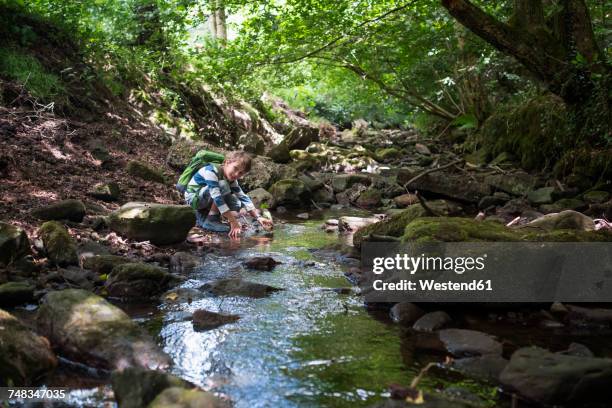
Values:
[(206, 176), (244, 198)]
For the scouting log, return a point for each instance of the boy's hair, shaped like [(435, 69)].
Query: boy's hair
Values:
[(243, 159)]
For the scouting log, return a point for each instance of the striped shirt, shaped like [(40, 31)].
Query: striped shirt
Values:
[(207, 178)]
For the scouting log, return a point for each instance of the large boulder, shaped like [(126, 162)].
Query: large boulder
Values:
[(264, 172), (280, 153), (460, 343), (71, 210), (405, 313), (183, 150), (519, 183), (260, 196), (61, 249), (161, 224), (144, 172), (24, 355), (103, 264), (90, 330), (557, 379), (289, 192), (252, 142), (563, 220), (138, 281), (14, 243)]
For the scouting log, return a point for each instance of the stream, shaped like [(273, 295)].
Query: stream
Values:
[(305, 346)]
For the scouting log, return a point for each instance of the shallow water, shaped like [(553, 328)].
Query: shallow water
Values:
[(305, 346)]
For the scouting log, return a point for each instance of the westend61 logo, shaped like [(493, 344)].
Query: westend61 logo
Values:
[(412, 264), (486, 272)]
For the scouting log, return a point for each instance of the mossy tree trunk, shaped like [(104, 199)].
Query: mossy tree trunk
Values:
[(560, 50)]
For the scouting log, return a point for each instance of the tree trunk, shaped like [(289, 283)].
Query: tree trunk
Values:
[(213, 19), (221, 26)]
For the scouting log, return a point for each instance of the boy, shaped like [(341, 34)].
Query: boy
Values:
[(216, 189)]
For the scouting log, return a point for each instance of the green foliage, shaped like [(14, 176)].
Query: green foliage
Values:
[(28, 71)]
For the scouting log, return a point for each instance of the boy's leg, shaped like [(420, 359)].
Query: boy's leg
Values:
[(213, 220)]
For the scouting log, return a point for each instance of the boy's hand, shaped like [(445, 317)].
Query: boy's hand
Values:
[(266, 223), (235, 230)]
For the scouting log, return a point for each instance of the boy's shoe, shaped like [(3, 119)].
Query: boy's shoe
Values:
[(213, 223)]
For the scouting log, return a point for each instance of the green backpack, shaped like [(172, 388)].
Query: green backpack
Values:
[(201, 159)]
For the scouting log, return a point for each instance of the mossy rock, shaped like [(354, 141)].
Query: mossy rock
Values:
[(252, 142), (24, 355), (342, 182), (14, 243), (88, 329), (61, 249), (136, 388), (301, 137), (455, 229), (103, 264), (162, 224), (183, 150), (386, 154), (537, 131), (16, 293), (596, 197), (135, 281), (289, 192), (562, 205), (587, 162), (371, 198), (105, 191), (144, 172), (280, 153), (519, 183), (542, 195), (395, 225), (176, 397), (71, 210)]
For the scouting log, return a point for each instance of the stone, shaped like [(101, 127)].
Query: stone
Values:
[(493, 200), (182, 151), (264, 172), (563, 220), (518, 184), (175, 397), (161, 224), (404, 200), (104, 264), (238, 287), (289, 193), (14, 243), (485, 368), (589, 316), (108, 192), (183, 263), (303, 216), (422, 149), (343, 182), (260, 197), (371, 198), (324, 195), (450, 185), (557, 379), (144, 172), (280, 153), (251, 142), (300, 137), (135, 387), (432, 321), (261, 263), (61, 249), (460, 342), (387, 154), (15, 293), (406, 313), (71, 210), (205, 320), (311, 183), (578, 350), (88, 329), (542, 195), (24, 355), (138, 281), (596, 197), (563, 204), (352, 224)]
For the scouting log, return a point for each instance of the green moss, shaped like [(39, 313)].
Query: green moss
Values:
[(455, 229), (59, 245), (537, 131), (388, 153), (586, 162), (30, 73), (137, 270)]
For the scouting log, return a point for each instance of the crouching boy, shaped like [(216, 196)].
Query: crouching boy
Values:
[(215, 193)]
